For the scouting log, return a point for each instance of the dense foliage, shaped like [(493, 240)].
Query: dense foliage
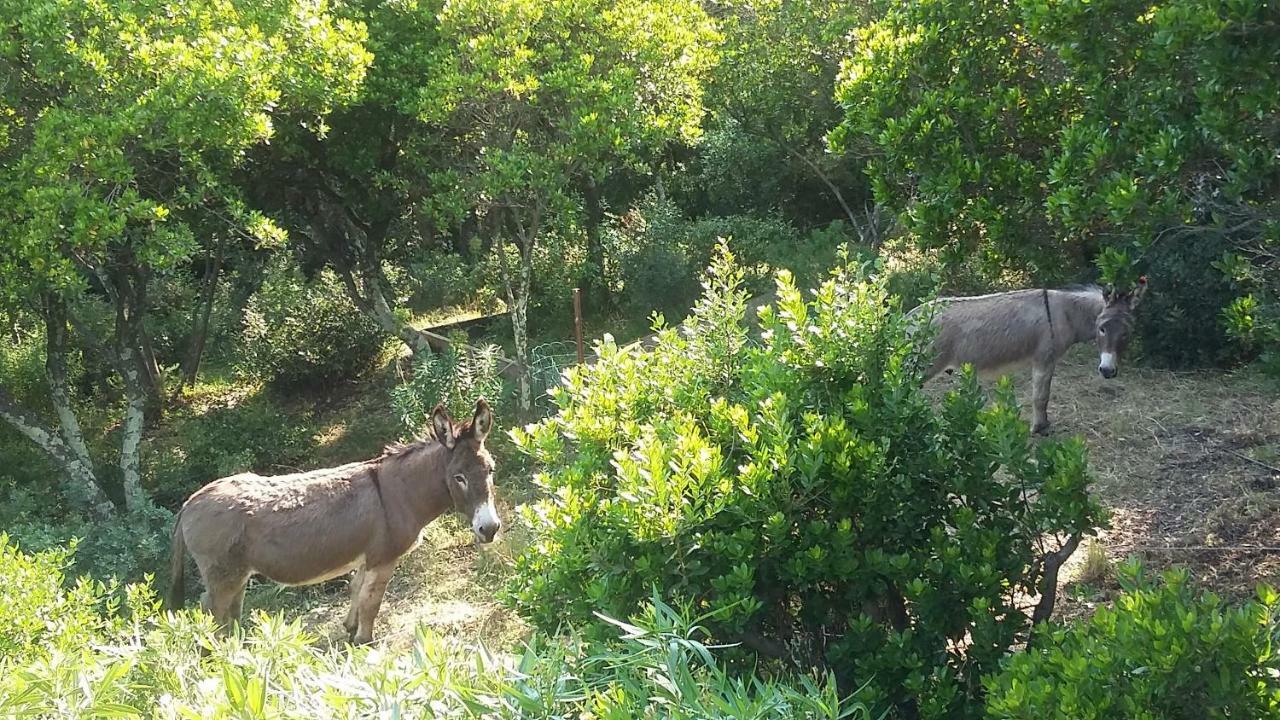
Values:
[(80, 652), (306, 335), (279, 187), (1161, 652), (120, 125), (805, 491), (1033, 139), (456, 378)]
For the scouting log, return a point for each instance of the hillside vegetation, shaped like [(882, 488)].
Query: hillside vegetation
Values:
[(245, 236)]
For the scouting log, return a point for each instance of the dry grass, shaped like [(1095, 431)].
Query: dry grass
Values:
[(1185, 463)]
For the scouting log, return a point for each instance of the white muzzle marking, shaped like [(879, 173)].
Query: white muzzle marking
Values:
[(1107, 363), (485, 516)]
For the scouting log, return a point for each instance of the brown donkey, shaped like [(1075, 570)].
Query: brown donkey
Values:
[(310, 527), (996, 332)]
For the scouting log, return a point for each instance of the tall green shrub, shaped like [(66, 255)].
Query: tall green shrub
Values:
[(1161, 653), (456, 377), (805, 491), (306, 335)]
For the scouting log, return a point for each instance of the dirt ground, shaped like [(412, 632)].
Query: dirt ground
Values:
[(1188, 464)]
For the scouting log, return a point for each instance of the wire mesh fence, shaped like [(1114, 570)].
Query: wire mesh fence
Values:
[(546, 363)]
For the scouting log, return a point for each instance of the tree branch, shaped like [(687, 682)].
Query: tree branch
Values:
[(1052, 563)]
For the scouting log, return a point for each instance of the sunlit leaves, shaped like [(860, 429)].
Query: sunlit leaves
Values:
[(131, 114)]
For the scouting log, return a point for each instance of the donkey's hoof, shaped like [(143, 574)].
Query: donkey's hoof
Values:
[(1042, 429), (357, 639)]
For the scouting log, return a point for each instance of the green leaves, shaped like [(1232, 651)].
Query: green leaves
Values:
[(1161, 652), (802, 489), (133, 112), (536, 94)]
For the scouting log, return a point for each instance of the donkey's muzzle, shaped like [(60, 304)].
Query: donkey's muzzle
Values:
[(486, 532), (1108, 372)]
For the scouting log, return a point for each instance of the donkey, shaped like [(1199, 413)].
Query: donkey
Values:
[(996, 332), (310, 527)]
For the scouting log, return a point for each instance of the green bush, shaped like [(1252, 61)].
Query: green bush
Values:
[(306, 335), (456, 377), (254, 433), (1180, 324), (806, 491), (80, 652), (127, 547), (1160, 654), (659, 254)]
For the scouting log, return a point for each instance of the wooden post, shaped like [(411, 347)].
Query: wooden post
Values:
[(577, 323)]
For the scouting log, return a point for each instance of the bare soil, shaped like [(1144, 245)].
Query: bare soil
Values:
[(1187, 463)]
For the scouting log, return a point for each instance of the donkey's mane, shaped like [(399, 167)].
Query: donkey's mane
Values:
[(1077, 289), (401, 449)]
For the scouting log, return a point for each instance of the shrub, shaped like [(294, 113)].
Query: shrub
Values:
[(242, 434), (806, 491), (456, 377), (80, 653), (126, 547), (1180, 323), (660, 254), (1160, 653), (306, 335)]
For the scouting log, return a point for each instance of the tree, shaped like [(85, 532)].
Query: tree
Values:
[(770, 96), (1041, 138), (120, 124), (536, 96), (953, 106), (353, 196)]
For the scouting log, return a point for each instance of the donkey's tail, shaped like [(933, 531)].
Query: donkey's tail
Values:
[(177, 566)]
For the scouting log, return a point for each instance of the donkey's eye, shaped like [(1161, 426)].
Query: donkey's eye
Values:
[(1102, 331), (460, 479)]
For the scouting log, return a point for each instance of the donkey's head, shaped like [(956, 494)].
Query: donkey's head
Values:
[(1115, 325), (469, 474)]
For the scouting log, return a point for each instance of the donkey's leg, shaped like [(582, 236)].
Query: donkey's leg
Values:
[(351, 622), (370, 600), (225, 602), (1041, 378), (224, 592)]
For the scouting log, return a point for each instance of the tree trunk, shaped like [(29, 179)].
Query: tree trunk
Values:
[(134, 292), (517, 301), (1052, 563), (135, 498), (79, 483), (55, 367), (366, 293), (200, 329)]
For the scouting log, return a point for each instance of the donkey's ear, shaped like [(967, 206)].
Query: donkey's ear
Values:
[(1109, 293), (482, 423), (442, 425), (1136, 296)]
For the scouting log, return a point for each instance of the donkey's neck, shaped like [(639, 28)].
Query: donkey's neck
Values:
[(1080, 310), (421, 473)]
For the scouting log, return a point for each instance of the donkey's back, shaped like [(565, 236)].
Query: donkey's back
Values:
[(294, 529), (991, 332)]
